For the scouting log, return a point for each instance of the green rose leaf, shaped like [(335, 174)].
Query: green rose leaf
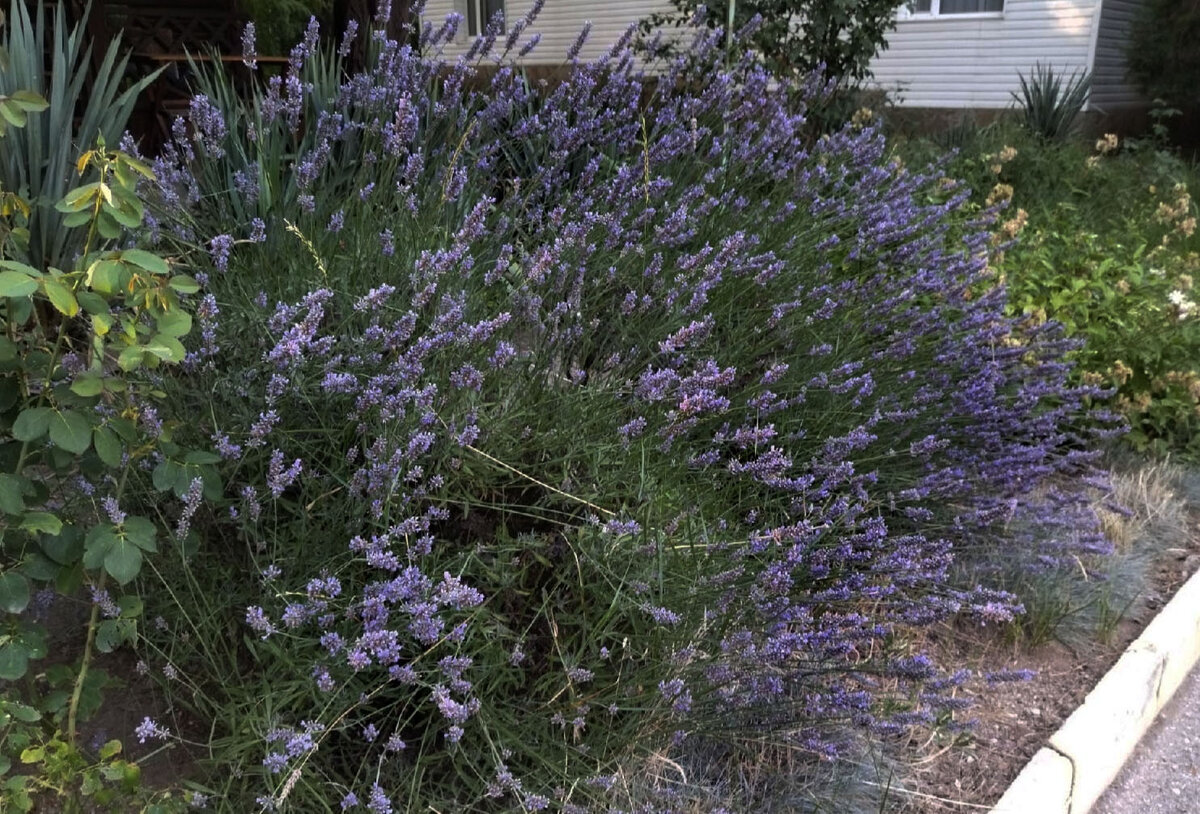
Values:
[(145, 260), (12, 494), (175, 323), (14, 660), (184, 284), (14, 592), (92, 302), (87, 386), (60, 297), (99, 542), (130, 358), (22, 712), (71, 431), (65, 547), (166, 347), (108, 446), (123, 561), (43, 522), (112, 633), (32, 424), (141, 532), (16, 284)]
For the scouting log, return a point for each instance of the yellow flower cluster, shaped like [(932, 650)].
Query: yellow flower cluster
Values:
[(862, 117), (1108, 144), (1012, 227), (1190, 380), (1006, 154), (1178, 212), (1001, 193)]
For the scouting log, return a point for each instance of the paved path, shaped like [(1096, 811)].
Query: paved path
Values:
[(1163, 776)]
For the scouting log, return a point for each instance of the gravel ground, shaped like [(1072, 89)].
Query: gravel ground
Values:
[(1163, 776)]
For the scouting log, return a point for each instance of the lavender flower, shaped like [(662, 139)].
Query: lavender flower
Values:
[(149, 730)]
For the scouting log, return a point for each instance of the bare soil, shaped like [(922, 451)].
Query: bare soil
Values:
[(971, 772)]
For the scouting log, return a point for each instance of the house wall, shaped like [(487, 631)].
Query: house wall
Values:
[(1110, 90), (973, 61), (560, 23), (957, 61)]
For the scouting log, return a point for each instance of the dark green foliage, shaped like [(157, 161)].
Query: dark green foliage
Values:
[(797, 37), (1164, 50), (280, 23)]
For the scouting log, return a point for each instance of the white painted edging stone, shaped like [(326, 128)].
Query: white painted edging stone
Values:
[(1086, 753)]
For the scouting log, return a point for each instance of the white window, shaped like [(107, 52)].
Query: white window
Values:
[(947, 7), (480, 12)]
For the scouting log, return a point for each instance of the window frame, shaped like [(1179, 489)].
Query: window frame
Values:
[(479, 7), (935, 13)]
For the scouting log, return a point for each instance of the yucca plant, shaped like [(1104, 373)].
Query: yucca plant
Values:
[(1051, 102), (39, 160)]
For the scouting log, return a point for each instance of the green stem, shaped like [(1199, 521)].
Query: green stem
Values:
[(77, 691)]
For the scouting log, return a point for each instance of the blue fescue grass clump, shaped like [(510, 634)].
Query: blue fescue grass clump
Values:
[(562, 424)]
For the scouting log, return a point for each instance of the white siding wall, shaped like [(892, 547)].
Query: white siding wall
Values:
[(973, 62), (561, 21), (958, 62), (1110, 89)]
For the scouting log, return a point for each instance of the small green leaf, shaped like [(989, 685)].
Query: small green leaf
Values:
[(16, 284), (43, 522), (28, 100), (108, 226), (174, 323), (79, 198), (23, 268), (87, 385), (141, 532), (14, 592), (107, 276), (60, 297), (5, 764), (71, 431), (74, 219), (167, 348), (131, 606), (130, 358), (184, 284), (34, 754), (112, 633), (92, 302), (108, 446), (123, 561), (65, 547), (12, 494), (100, 540), (145, 260), (32, 424), (14, 660), (22, 712), (40, 568), (12, 113), (110, 749)]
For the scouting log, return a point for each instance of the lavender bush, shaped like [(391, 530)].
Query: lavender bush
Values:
[(563, 424)]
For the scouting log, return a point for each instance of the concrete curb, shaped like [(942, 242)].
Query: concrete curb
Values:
[(1084, 756)]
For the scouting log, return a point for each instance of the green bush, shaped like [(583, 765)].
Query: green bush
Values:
[(1162, 56), (1102, 238)]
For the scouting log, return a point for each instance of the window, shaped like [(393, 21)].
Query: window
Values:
[(480, 13), (957, 6)]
